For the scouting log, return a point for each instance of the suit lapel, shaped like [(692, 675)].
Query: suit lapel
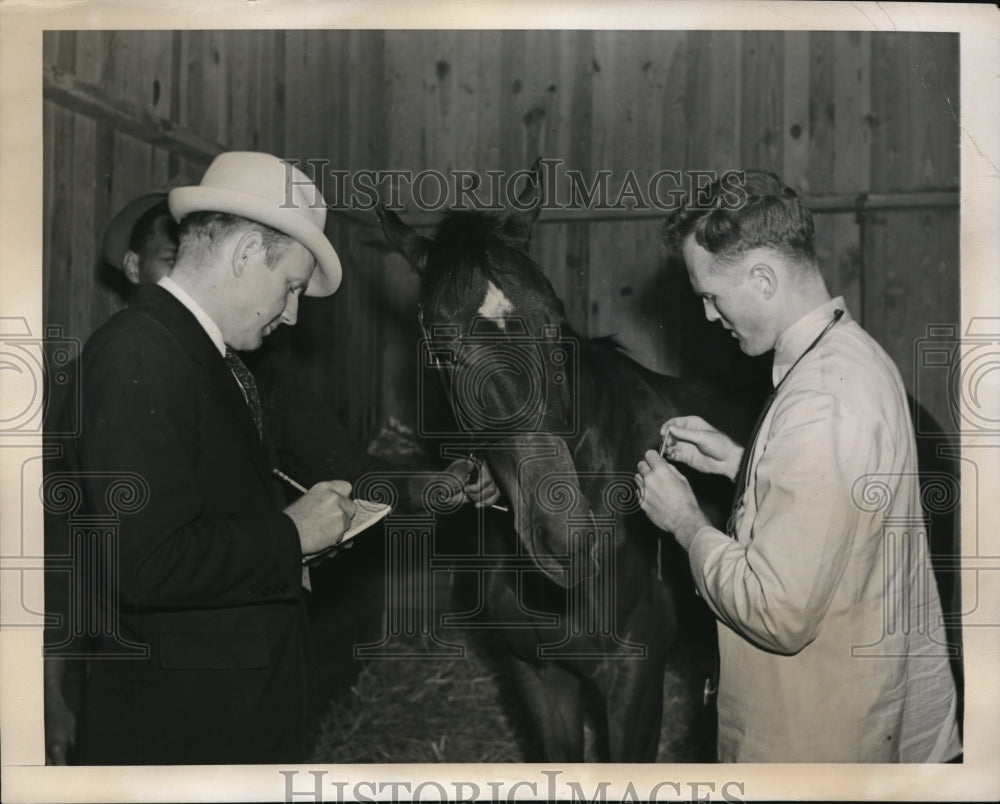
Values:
[(164, 307)]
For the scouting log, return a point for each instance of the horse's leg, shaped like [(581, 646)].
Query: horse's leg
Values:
[(635, 709), (633, 687), (553, 697)]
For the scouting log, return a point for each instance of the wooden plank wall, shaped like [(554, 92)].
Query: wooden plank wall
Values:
[(830, 111), (334, 84), (91, 170), (911, 257)]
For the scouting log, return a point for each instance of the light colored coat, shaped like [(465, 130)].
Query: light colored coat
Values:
[(830, 636)]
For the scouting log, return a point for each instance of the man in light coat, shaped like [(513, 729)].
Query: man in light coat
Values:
[(830, 636)]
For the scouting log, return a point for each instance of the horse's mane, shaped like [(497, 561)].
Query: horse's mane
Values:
[(470, 226), (468, 233)]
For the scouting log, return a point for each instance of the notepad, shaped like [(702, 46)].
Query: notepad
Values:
[(366, 514)]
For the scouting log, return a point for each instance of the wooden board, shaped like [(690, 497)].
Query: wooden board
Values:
[(762, 109), (843, 112), (577, 78), (852, 123), (911, 258), (796, 128)]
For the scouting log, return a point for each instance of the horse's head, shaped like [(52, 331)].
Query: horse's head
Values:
[(497, 332), (477, 264), (491, 320)]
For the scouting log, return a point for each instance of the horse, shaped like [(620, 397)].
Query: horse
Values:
[(592, 598)]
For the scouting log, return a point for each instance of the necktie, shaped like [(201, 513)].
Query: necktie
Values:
[(743, 475), (249, 387)]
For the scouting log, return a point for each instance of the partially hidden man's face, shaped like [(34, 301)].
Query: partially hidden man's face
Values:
[(731, 296), (156, 256), (265, 297)]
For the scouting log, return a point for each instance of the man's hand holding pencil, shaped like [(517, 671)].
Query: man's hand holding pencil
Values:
[(478, 485), (322, 514)]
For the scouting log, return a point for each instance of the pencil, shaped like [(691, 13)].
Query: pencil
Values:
[(289, 481), (663, 446), (476, 461)]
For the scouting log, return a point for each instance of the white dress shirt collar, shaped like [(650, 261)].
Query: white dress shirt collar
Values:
[(210, 327), (793, 342)]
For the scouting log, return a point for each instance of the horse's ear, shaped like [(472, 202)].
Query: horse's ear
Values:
[(403, 238), (520, 222)]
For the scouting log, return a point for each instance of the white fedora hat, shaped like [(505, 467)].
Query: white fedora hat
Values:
[(266, 189)]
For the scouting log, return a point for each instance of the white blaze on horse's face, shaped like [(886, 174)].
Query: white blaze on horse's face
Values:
[(496, 307)]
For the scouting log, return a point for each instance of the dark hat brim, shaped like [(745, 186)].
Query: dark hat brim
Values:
[(119, 231)]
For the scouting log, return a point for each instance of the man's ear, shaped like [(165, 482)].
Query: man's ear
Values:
[(130, 265), (766, 278), (246, 251)]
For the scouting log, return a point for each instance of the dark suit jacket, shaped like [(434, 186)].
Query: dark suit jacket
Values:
[(208, 570)]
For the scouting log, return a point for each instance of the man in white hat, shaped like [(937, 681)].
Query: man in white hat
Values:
[(205, 577), (142, 242)]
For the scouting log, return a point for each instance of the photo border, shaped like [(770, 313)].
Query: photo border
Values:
[(26, 779)]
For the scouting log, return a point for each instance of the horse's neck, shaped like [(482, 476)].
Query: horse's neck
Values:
[(615, 396), (624, 403), (617, 410)]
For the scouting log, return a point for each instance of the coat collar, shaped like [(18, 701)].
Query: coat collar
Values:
[(794, 341)]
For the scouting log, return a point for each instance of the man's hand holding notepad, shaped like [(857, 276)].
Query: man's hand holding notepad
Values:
[(366, 514)]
